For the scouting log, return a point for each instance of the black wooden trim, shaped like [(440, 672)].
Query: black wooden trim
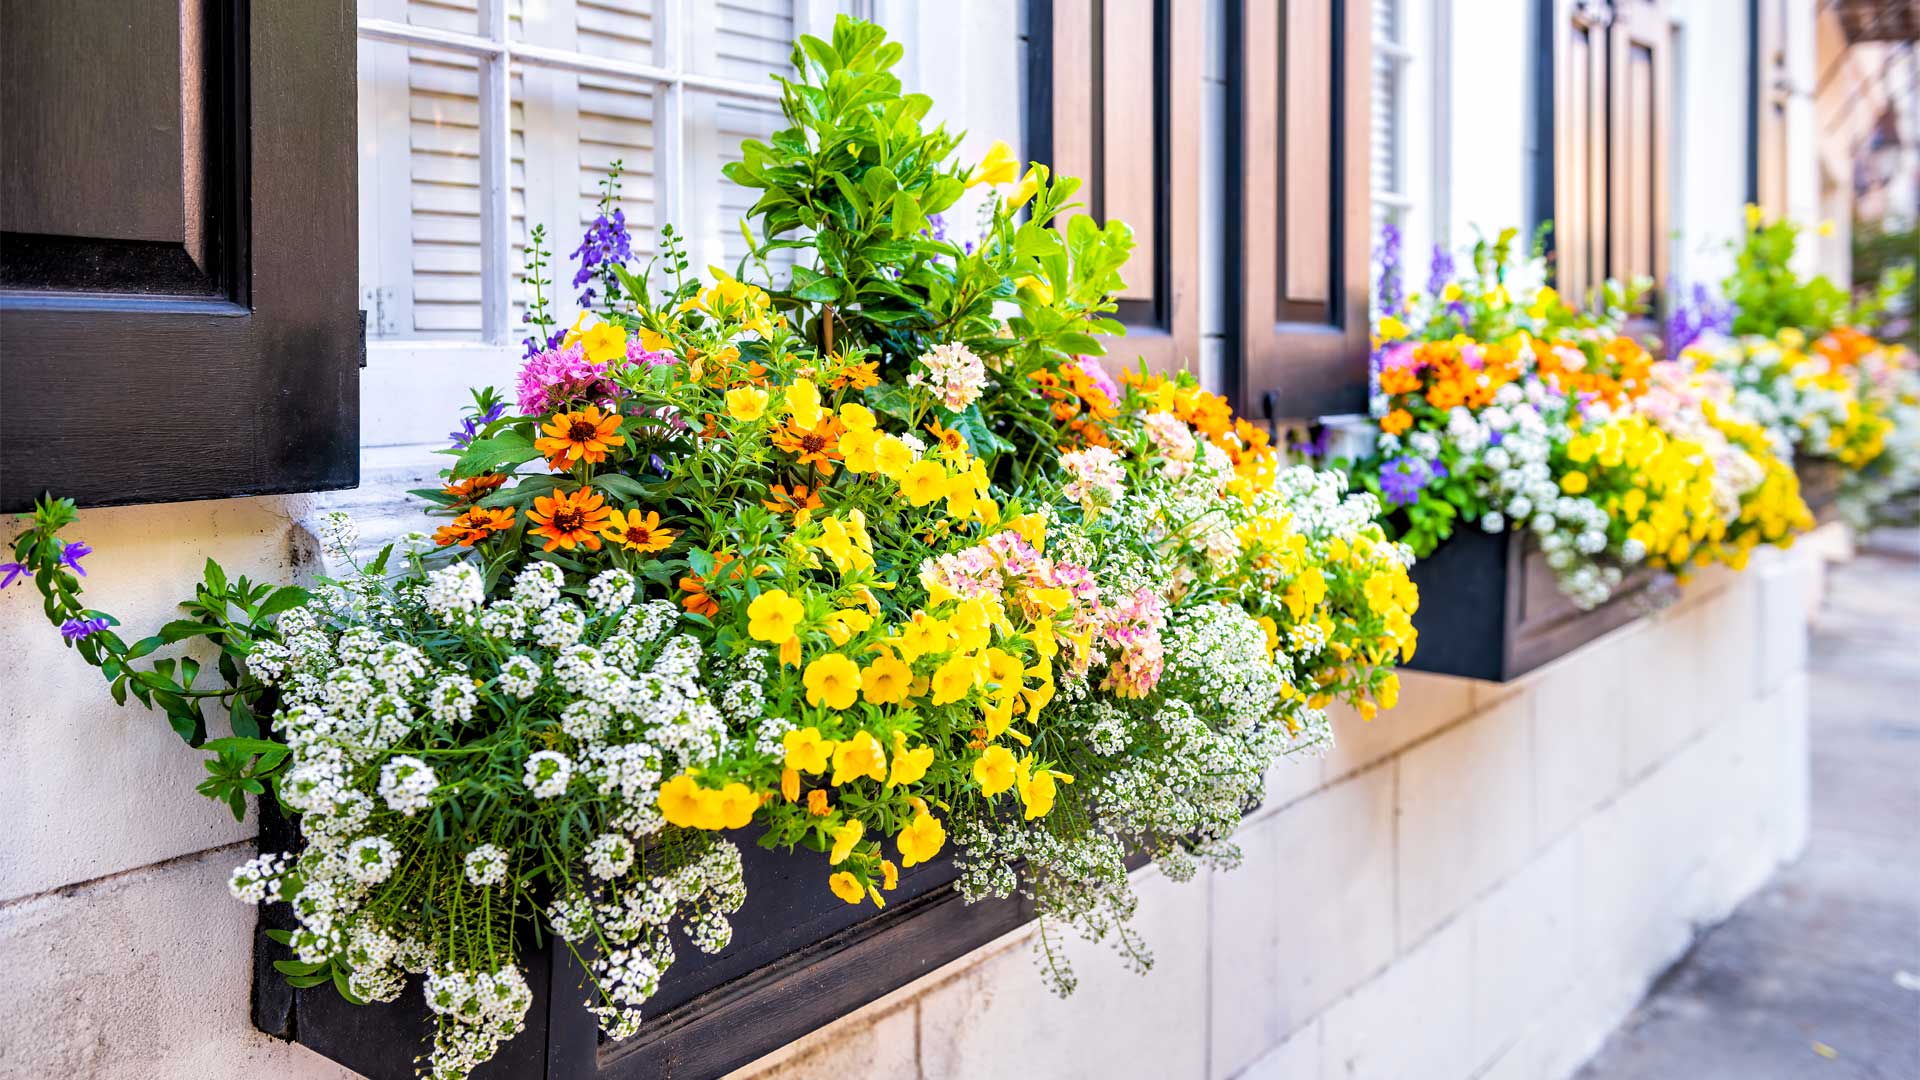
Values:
[(1542, 174), (1756, 100), (1234, 341), (111, 268), (1039, 111)]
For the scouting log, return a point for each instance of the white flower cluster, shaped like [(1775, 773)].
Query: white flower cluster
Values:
[(383, 685)]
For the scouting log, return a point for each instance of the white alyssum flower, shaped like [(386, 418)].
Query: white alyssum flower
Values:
[(547, 774), (371, 859), (486, 865), (407, 784), (610, 590), (609, 856), (520, 676), (454, 593)]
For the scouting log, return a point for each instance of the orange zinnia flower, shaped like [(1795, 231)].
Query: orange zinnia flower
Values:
[(698, 600), (474, 526), (857, 377), (574, 437), (1397, 379), (950, 440), (635, 533), (1396, 421), (570, 518), (474, 488), (817, 445), (801, 498)]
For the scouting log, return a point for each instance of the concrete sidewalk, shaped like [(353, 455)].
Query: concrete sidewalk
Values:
[(1818, 975)]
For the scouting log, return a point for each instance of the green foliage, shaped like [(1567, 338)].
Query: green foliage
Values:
[(231, 615), (1769, 295)]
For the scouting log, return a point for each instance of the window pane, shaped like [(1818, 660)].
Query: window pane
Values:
[(740, 39), (716, 125), (419, 192)]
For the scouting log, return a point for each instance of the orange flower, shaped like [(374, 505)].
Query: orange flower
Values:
[(474, 526), (574, 437), (817, 445), (698, 600), (570, 518), (1445, 394), (949, 440), (635, 533), (857, 377), (474, 488), (1396, 421), (797, 501), (1398, 379)]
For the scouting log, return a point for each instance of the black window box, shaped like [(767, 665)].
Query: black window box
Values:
[(1491, 609), (1819, 485), (800, 958)]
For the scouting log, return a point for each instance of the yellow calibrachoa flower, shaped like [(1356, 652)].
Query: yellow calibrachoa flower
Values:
[(803, 403), (806, 750), (680, 802), (746, 403), (908, 765), (790, 784), (996, 770), (921, 635), (846, 887), (885, 681), (844, 839), (923, 482), (922, 839), (774, 616), (833, 681), (1574, 483), (892, 457), (1036, 787), (889, 875), (955, 679), (859, 757)]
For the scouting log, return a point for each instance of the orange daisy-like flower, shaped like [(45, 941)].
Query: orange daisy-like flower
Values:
[(1399, 379), (570, 518), (949, 440), (474, 526), (857, 377), (474, 488), (574, 437), (635, 533), (800, 499), (817, 445), (698, 600), (1396, 421)]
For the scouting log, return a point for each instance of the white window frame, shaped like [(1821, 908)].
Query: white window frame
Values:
[(413, 388), (1419, 63)]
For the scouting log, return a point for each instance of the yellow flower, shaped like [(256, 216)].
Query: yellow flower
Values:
[(857, 449), (1030, 185), (1389, 694), (892, 457), (955, 679), (681, 804), (860, 756), (909, 765), (1574, 482), (1451, 293), (774, 616), (1041, 291), (921, 635), (1036, 788), (857, 417), (806, 750), (746, 403), (889, 875), (994, 772), (924, 482), (817, 803), (846, 887), (1753, 216), (998, 167), (921, 840), (1392, 329), (790, 784), (844, 839), (885, 681), (605, 343), (803, 403), (833, 681), (734, 806)]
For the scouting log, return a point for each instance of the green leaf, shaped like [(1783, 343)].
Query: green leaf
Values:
[(815, 287), (244, 724), (182, 629)]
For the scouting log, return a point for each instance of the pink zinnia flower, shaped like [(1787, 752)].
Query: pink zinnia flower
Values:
[(562, 376)]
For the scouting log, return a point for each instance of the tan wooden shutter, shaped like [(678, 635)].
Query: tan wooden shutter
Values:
[(1612, 109), (1115, 100), (1298, 208), (1767, 179)]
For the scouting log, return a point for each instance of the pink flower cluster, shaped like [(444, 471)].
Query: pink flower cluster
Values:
[(1131, 627), (953, 373), (559, 377), (1097, 477)]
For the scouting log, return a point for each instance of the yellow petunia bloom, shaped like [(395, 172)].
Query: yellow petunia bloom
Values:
[(859, 757), (806, 750), (892, 457), (774, 616), (844, 839), (996, 770), (998, 167), (885, 681), (921, 840), (846, 887), (923, 482), (746, 403), (833, 681), (955, 679), (803, 403), (909, 765)]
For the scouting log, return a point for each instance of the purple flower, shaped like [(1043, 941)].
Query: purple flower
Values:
[(1440, 271), (75, 629), (71, 554), (1689, 322), (535, 346), (11, 572), (1403, 478), (471, 426), (607, 243), (1388, 257)]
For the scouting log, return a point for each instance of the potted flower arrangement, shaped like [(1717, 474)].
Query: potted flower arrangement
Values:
[(1581, 460), (1842, 406), (876, 567)]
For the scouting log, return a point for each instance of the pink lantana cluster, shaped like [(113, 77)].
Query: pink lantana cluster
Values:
[(563, 376), (1098, 478), (953, 373), (1130, 628)]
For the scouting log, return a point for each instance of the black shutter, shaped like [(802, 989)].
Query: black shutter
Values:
[(178, 315), (1298, 208)]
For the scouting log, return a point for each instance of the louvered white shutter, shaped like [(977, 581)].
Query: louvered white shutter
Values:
[(1387, 131), (420, 175)]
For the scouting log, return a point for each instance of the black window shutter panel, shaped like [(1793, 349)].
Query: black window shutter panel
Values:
[(178, 315)]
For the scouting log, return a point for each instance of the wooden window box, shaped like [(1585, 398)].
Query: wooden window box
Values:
[(1490, 607), (800, 958), (1819, 485)]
